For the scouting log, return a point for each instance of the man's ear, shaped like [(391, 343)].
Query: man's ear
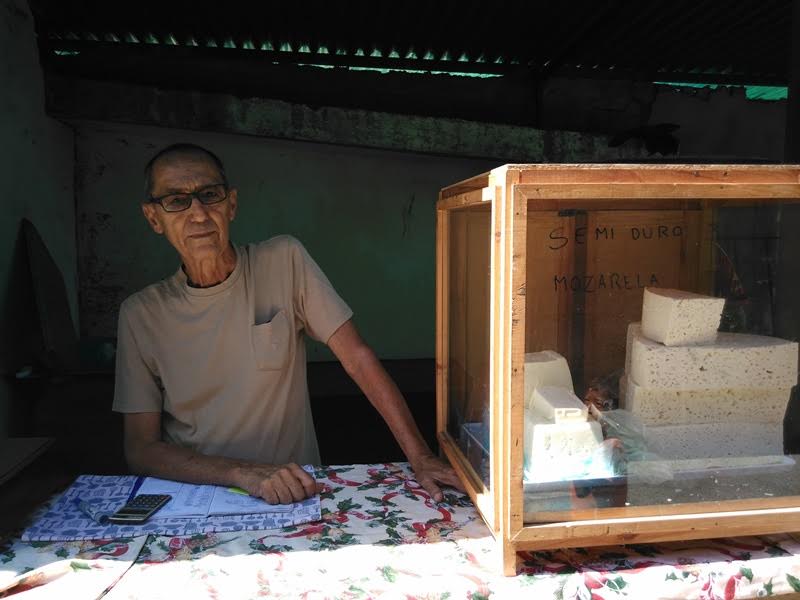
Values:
[(233, 201), (149, 212)]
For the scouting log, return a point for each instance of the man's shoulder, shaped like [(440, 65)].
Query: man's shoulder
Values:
[(153, 294), (278, 246)]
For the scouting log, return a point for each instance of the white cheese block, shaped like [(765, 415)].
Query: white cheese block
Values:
[(735, 360), (570, 438), (710, 440), (678, 318), (558, 404), (559, 451), (655, 406), (546, 368), (658, 471), (634, 329)]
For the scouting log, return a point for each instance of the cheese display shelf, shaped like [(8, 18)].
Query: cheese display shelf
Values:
[(617, 349)]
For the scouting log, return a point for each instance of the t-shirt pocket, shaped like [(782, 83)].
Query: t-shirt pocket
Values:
[(271, 342)]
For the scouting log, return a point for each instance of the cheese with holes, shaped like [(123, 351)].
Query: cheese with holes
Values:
[(710, 440), (678, 318), (735, 360), (546, 368), (558, 404), (660, 406)]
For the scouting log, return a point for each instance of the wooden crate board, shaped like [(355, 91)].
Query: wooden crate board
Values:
[(582, 305), (541, 297)]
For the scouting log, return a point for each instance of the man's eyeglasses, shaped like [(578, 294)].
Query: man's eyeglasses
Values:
[(210, 194)]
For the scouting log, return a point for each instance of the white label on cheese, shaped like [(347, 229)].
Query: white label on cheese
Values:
[(558, 404), (678, 318)]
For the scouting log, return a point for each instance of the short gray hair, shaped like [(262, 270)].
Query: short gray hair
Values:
[(180, 149)]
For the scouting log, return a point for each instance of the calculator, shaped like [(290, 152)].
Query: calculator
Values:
[(139, 508)]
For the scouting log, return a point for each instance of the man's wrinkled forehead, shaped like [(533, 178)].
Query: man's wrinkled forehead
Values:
[(172, 171)]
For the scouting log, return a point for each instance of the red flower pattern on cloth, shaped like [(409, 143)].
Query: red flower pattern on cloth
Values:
[(381, 535)]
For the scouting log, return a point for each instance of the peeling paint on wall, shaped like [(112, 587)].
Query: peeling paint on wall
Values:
[(407, 215), (100, 296), (127, 103)]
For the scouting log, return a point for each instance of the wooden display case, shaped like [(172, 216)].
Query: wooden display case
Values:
[(537, 257)]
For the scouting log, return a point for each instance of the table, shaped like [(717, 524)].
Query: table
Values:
[(382, 536)]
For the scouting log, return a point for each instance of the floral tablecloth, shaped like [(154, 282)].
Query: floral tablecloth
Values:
[(84, 569), (382, 536)]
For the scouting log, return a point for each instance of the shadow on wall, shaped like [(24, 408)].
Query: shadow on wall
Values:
[(20, 339), (59, 386)]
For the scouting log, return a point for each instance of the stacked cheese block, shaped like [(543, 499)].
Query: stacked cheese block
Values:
[(700, 393), (561, 442)]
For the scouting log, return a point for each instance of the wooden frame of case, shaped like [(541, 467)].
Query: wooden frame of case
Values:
[(513, 191)]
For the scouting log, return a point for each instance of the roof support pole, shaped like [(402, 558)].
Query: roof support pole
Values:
[(788, 280), (792, 143)]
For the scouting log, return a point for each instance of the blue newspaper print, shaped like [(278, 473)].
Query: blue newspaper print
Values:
[(68, 518)]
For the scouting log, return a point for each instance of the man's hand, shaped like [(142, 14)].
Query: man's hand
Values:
[(431, 471), (363, 366), (277, 484), (147, 454)]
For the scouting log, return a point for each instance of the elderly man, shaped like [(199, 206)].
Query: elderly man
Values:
[(211, 369)]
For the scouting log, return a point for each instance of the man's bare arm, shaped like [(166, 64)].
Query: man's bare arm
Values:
[(148, 454), (366, 370)]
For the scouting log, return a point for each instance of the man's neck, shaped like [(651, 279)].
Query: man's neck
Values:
[(212, 271)]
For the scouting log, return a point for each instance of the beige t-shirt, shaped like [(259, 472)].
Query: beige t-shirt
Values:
[(226, 365)]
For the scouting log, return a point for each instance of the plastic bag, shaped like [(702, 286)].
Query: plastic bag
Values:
[(643, 465)]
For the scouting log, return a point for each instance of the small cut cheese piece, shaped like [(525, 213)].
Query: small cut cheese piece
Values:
[(678, 318), (736, 360), (546, 368), (558, 404)]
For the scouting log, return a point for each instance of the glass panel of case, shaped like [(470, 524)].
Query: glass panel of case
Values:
[(468, 338), (617, 419)]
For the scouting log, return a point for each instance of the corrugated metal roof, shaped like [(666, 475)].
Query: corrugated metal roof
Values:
[(752, 92), (744, 42)]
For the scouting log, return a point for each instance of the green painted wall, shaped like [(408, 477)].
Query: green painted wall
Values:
[(36, 171), (367, 216)]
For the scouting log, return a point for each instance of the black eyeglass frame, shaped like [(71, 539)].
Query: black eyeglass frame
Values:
[(191, 195)]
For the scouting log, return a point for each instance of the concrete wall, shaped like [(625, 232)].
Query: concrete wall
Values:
[(711, 123), (722, 123), (36, 174), (366, 214)]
